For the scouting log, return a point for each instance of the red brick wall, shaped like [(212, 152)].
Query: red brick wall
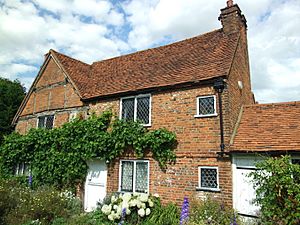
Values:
[(198, 141)]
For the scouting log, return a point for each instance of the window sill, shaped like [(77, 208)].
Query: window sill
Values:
[(208, 115), (208, 189)]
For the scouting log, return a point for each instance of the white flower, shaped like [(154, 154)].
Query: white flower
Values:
[(144, 197), (128, 211), (111, 217), (141, 212), (132, 203), (125, 205), (143, 206), (151, 204), (115, 207), (126, 197), (156, 195), (138, 204), (113, 199), (148, 211), (106, 209)]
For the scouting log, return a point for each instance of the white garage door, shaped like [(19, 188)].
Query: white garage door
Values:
[(95, 185), (243, 191)]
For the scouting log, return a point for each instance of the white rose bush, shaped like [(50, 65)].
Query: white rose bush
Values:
[(125, 204)]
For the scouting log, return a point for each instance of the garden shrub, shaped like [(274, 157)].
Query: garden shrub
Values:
[(41, 206), (277, 185), (213, 212)]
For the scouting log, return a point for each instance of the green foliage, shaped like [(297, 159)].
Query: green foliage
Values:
[(277, 184), (58, 156), (163, 215), (209, 211), (11, 96), (22, 205)]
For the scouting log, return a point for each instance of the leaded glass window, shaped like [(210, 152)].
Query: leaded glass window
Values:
[(127, 176), (206, 106), (128, 109), (143, 109), (134, 176), (22, 169), (136, 109), (46, 122), (209, 177), (141, 180)]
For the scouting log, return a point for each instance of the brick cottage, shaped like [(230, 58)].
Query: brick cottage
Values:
[(198, 88)]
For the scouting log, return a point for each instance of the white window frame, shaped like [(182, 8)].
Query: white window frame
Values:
[(22, 172), (199, 178), (134, 174), (206, 115), (135, 106), (37, 122), (72, 116)]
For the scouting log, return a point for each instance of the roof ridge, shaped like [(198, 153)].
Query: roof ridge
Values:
[(59, 53), (158, 47), (273, 103)]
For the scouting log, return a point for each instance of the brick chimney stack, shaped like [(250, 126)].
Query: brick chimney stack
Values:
[(232, 18)]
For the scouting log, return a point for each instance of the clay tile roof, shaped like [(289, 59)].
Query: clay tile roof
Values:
[(199, 58), (269, 127)]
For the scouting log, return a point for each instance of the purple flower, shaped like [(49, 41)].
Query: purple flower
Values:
[(184, 216), (30, 180), (234, 220), (122, 216)]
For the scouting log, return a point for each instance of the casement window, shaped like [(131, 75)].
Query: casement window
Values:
[(22, 169), (46, 122), (208, 178), (72, 116), (206, 106), (134, 176), (137, 108)]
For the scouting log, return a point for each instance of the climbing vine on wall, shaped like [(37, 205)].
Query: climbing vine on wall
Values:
[(58, 156)]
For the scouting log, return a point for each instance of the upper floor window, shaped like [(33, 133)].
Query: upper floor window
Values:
[(206, 106), (46, 122), (137, 108), (134, 176), (209, 178)]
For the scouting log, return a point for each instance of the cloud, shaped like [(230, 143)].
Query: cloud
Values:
[(82, 29), (92, 30)]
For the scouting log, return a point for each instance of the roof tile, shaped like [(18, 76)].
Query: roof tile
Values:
[(203, 57), (269, 127)]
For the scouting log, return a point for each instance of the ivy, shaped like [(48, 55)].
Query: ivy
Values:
[(58, 156)]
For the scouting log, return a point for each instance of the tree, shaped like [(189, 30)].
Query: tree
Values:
[(277, 187), (11, 96)]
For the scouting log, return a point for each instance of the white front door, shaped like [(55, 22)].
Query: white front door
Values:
[(243, 191), (95, 184)]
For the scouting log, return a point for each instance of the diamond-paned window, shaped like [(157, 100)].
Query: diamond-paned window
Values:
[(128, 108), (136, 109), (22, 169), (206, 106), (134, 176), (46, 122), (208, 178), (141, 179), (143, 109), (127, 176)]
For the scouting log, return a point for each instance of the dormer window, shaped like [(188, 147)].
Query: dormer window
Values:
[(46, 122), (136, 108), (206, 106)]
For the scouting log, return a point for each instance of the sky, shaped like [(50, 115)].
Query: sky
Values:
[(92, 30)]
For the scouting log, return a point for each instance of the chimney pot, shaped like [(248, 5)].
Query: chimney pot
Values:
[(229, 3)]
